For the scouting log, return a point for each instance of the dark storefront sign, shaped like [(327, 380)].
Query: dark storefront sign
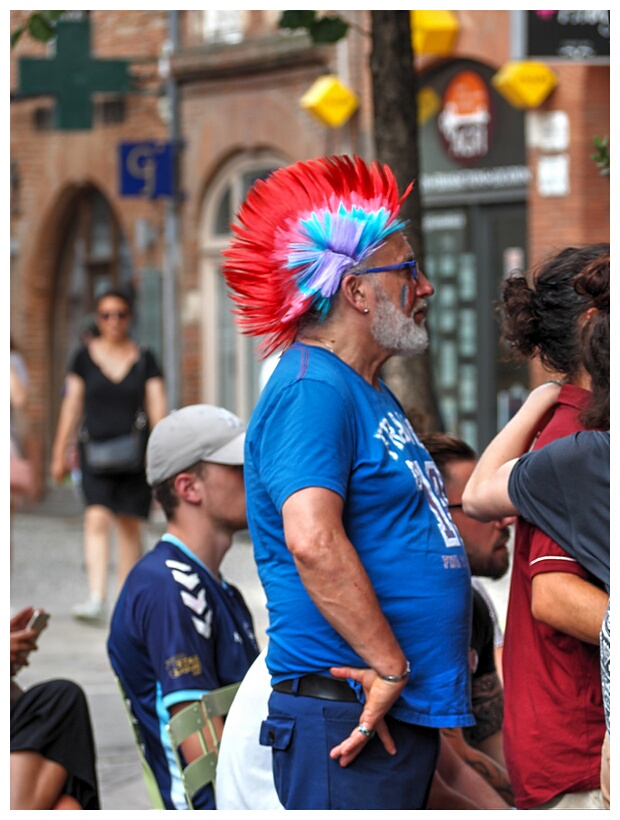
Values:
[(472, 141), (574, 35), (474, 185)]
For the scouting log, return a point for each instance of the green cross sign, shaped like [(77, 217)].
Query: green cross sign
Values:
[(72, 75)]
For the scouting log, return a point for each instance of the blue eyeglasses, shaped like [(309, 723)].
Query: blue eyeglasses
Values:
[(411, 266)]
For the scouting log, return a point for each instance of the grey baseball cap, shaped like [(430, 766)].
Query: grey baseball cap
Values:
[(198, 432)]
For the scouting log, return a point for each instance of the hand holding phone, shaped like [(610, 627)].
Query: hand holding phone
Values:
[(39, 620), (20, 648)]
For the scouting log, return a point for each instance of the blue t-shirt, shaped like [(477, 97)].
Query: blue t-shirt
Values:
[(318, 423), (176, 632)]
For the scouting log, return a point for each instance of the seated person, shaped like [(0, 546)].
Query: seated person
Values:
[(52, 762), (178, 629), (457, 785)]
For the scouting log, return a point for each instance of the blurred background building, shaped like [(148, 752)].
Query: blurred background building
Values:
[(136, 134)]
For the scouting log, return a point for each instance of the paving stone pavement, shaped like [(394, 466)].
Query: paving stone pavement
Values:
[(47, 571)]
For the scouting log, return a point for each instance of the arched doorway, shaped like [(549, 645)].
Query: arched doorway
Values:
[(93, 255)]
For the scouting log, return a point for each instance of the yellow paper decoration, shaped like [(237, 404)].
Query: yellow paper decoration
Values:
[(330, 101), (429, 104)]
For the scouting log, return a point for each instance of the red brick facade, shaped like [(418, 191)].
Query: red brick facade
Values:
[(233, 102)]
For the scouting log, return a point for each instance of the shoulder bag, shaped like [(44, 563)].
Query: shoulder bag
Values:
[(121, 454)]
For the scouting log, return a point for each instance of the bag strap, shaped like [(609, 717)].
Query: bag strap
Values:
[(141, 419)]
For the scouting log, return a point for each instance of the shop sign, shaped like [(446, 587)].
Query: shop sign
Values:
[(573, 35), (72, 75), (146, 169), (465, 120), (474, 180)]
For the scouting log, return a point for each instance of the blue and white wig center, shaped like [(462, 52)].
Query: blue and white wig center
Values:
[(331, 244)]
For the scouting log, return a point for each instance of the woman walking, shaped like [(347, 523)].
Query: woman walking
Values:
[(114, 393)]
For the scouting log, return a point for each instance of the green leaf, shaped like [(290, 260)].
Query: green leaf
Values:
[(16, 34), (329, 29), (297, 19), (601, 154), (41, 28)]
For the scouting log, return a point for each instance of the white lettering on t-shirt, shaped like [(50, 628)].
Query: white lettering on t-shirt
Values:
[(395, 432), (449, 532)]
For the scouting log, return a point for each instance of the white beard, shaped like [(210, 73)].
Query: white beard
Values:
[(394, 331)]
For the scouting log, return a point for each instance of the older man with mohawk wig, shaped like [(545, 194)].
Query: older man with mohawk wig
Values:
[(366, 578)]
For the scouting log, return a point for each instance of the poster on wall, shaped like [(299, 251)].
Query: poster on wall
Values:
[(574, 35)]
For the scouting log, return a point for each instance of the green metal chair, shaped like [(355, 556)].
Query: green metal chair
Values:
[(217, 704), (194, 719), (150, 782)]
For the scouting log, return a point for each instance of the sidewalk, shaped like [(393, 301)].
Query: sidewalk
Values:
[(48, 572)]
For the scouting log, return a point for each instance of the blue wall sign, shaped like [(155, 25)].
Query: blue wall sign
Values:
[(147, 169)]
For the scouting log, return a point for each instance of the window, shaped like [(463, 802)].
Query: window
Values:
[(232, 371), (223, 26), (43, 118)]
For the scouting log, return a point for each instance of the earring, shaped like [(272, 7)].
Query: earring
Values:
[(366, 310)]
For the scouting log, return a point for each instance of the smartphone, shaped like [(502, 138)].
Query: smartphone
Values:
[(38, 621)]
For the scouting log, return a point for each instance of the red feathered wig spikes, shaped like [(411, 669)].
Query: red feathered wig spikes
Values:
[(299, 231)]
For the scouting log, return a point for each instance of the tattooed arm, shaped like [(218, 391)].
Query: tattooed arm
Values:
[(488, 768), (488, 709)]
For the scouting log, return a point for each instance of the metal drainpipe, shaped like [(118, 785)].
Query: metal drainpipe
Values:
[(342, 60), (518, 34), (171, 267)]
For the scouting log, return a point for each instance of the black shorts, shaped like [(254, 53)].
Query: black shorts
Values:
[(124, 494), (52, 718)]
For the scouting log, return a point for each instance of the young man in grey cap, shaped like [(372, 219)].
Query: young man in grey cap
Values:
[(178, 629)]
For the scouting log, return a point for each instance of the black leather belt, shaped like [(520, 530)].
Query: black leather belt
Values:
[(317, 686)]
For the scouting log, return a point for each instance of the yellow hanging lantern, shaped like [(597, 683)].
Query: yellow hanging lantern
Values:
[(330, 101), (434, 32), (525, 83)]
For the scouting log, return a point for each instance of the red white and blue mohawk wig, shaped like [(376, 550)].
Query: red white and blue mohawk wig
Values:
[(300, 231)]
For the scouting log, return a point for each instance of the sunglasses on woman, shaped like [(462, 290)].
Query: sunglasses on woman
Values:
[(113, 314)]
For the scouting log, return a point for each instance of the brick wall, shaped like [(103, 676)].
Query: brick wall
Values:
[(582, 216)]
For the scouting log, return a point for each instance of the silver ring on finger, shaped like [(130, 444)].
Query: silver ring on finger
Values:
[(369, 733)]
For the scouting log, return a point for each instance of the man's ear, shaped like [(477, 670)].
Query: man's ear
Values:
[(185, 487), (355, 290)]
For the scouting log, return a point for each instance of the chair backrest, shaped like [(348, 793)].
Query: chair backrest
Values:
[(194, 719), (201, 771), (150, 781), (217, 704)]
